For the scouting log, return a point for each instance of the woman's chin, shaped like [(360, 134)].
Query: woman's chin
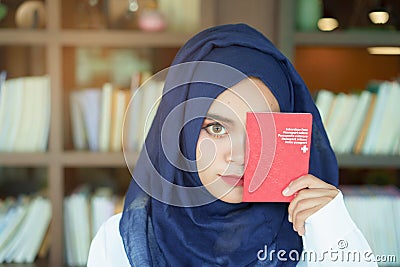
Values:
[(235, 195)]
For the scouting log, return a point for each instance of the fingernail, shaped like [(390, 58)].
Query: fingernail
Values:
[(301, 232), (286, 191), (290, 218)]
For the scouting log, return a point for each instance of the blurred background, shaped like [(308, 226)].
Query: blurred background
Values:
[(68, 127)]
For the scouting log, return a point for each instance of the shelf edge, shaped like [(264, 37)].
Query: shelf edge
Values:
[(23, 37), (112, 38), (367, 161), (95, 159), (117, 159), (358, 38), (25, 159), (119, 38)]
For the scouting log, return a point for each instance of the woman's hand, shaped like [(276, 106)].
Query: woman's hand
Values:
[(311, 194)]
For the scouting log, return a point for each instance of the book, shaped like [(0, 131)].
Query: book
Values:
[(105, 117), (141, 110), (376, 120), (44, 113), (102, 206), (134, 113), (79, 137), (356, 123), (277, 152), (3, 76), (13, 97), (77, 227), (394, 135), (151, 99), (84, 213), (11, 224), (379, 225), (20, 244), (131, 117), (390, 125), (336, 117), (90, 101), (344, 123), (146, 97), (38, 217), (357, 149), (118, 107), (33, 128), (324, 104), (25, 133), (5, 113)]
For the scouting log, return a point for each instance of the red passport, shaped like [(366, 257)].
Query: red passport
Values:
[(277, 152)]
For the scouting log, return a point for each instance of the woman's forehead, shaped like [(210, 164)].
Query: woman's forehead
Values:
[(249, 95)]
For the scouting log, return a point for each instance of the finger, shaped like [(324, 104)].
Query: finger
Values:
[(316, 192), (316, 196), (308, 203), (306, 181), (299, 220), (301, 216), (299, 204)]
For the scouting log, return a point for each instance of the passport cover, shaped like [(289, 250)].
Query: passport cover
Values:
[(277, 152)]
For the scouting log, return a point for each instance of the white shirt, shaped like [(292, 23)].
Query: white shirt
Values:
[(331, 239)]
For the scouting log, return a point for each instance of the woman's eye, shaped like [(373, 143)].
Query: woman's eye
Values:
[(215, 129)]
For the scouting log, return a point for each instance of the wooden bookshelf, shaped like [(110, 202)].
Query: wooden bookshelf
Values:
[(338, 61), (58, 159), (289, 39), (55, 39)]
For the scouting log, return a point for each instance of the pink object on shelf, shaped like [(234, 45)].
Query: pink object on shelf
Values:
[(151, 21)]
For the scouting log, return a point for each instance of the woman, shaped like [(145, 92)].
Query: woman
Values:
[(182, 208)]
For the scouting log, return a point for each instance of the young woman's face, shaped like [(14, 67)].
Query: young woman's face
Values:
[(220, 148)]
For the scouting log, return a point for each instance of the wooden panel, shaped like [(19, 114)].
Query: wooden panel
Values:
[(24, 159), (343, 69), (119, 38), (93, 159), (115, 178), (258, 13), (56, 185), (21, 61)]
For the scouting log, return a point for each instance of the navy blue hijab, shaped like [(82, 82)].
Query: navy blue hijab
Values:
[(216, 233)]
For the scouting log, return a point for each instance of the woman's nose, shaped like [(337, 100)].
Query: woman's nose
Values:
[(236, 153)]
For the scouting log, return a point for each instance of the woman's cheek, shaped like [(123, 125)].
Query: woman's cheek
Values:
[(205, 151)]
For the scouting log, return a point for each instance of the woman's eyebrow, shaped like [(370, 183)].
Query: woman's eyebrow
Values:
[(219, 118)]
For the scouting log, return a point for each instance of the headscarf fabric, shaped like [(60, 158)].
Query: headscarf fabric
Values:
[(216, 233)]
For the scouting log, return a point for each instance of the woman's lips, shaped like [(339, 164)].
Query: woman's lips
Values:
[(233, 180)]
